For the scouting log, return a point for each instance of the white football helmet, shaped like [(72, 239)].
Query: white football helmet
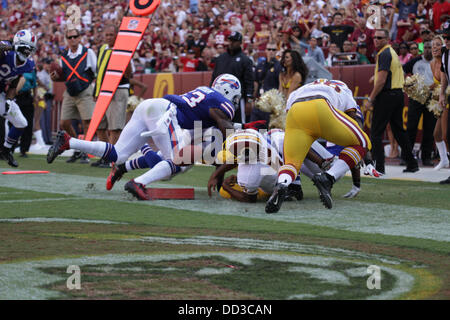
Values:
[(244, 146), (24, 43), (229, 86)]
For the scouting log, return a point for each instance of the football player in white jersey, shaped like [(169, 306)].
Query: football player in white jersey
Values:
[(321, 109), (258, 157)]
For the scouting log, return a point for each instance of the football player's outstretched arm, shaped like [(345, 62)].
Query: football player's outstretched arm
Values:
[(218, 173), (241, 196), (223, 123)]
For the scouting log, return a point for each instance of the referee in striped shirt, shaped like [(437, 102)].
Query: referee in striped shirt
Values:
[(387, 101)]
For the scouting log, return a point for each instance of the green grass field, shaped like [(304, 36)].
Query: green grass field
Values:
[(212, 248)]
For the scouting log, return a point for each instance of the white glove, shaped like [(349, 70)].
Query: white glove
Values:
[(352, 193), (370, 170)]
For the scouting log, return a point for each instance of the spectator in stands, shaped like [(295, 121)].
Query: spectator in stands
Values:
[(361, 50), (188, 62), (362, 34), (441, 11), (392, 17), (425, 35), (165, 62), (298, 38), (205, 62), (315, 52), (408, 29), (414, 49), (332, 50), (405, 8), (196, 43), (78, 70), (404, 54), (293, 74), (338, 31)]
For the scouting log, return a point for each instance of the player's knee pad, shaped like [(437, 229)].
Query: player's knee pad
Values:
[(352, 155)]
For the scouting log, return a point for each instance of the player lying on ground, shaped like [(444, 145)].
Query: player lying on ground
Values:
[(162, 121), (319, 110), (258, 157), (15, 60)]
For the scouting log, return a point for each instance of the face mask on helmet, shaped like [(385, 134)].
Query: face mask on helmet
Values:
[(24, 51), (24, 44)]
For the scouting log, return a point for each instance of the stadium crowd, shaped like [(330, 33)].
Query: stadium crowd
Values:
[(187, 35)]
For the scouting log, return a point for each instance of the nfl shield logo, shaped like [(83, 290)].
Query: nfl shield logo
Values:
[(133, 24)]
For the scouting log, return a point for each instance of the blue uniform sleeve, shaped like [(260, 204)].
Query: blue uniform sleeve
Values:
[(227, 108)]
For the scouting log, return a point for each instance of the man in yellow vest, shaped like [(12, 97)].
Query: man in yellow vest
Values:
[(387, 101), (115, 117)]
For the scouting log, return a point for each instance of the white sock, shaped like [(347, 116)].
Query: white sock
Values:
[(96, 148), (338, 169), (442, 149), (285, 179), (162, 170), (39, 138)]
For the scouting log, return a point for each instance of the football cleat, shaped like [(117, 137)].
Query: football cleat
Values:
[(324, 183), (7, 155), (295, 190), (84, 159), (137, 189), (60, 145), (115, 175), (276, 199), (352, 193)]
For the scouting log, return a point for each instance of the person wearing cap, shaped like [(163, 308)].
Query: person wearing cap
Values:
[(408, 29), (445, 76), (188, 63), (235, 62), (361, 50), (387, 100)]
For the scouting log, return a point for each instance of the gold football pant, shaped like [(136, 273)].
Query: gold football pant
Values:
[(312, 119)]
